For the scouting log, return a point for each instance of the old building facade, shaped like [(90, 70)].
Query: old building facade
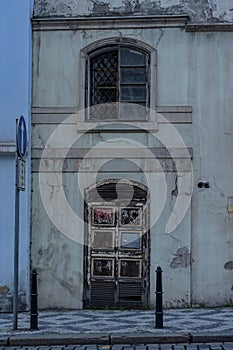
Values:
[(131, 152)]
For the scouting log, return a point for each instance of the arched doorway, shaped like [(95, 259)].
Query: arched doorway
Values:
[(116, 253)]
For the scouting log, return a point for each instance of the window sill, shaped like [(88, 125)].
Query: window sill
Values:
[(123, 126)]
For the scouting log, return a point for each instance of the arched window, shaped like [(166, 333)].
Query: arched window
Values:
[(117, 73)]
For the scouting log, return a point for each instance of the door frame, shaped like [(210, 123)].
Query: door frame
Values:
[(144, 201)]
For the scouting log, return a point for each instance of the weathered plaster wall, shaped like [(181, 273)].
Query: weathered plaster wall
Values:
[(173, 56), (198, 10), (193, 69), (58, 259), (15, 88), (210, 85)]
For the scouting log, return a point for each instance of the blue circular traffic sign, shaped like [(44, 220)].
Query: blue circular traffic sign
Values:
[(21, 136)]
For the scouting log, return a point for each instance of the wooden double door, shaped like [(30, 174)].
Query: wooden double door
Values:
[(116, 254)]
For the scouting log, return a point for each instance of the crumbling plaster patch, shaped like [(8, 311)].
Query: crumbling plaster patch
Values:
[(223, 10), (198, 10), (62, 8), (181, 259)]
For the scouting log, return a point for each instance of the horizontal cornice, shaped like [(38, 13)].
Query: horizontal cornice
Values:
[(57, 115), (125, 22), (7, 148), (209, 27), (119, 22)]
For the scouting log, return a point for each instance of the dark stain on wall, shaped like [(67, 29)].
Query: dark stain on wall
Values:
[(229, 265), (101, 8), (181, 259)]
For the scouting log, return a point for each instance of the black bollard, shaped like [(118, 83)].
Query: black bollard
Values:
[(34, 302), (159, 299)]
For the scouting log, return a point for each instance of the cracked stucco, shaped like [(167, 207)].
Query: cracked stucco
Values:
[(198, 10)]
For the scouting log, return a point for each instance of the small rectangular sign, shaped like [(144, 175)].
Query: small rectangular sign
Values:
[(21, 174)]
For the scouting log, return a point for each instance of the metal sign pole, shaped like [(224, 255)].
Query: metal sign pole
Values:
[(16, 252), (21, 147)]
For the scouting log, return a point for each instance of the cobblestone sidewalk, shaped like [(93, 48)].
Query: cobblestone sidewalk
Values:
[(124, 322)]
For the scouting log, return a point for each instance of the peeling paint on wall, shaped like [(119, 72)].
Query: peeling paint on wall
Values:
[(6, 300), (100, 7), (4, 289), (229, 265), (198, 10), (182, 258)]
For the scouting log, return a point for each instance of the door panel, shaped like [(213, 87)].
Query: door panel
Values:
[(116, 255)]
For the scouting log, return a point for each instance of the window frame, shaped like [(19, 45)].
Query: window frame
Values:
[(120, 67), (86, 123)]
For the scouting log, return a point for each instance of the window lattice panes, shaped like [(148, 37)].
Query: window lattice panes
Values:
[(104, 77), (117, 75)]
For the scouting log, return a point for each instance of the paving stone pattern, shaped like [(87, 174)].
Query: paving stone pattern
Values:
[(177, 321)]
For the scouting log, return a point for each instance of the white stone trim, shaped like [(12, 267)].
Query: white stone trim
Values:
[(103, 153), (57, 115), (111, 22), (7, 148)]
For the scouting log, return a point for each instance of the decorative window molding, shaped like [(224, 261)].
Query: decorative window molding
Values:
[(117, 74), (119, 43)]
